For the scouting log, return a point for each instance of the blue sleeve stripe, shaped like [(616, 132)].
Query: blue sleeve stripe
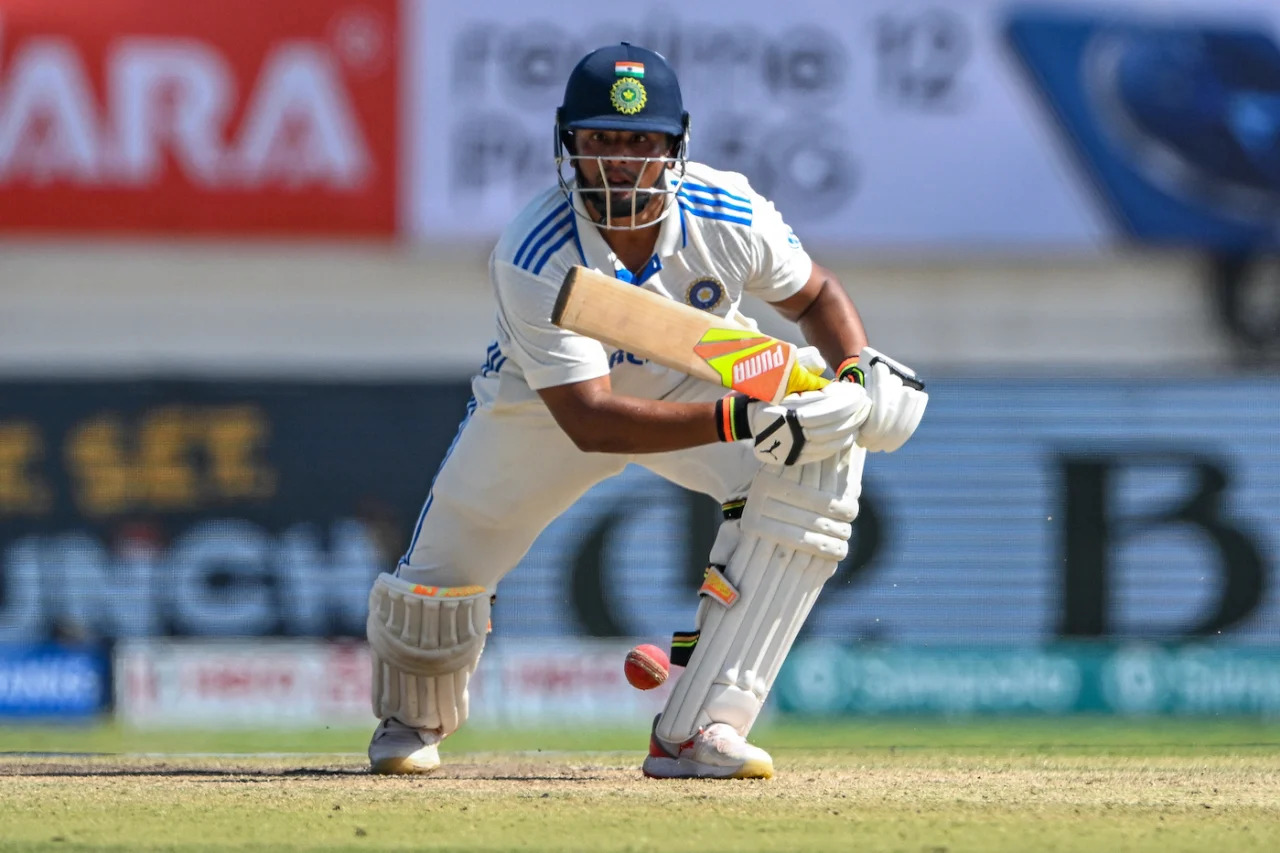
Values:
[(494, 359), (577, 241), (700, 188), (551, 250), (538, 229), (716, 203), (547, 235), (723, 217)]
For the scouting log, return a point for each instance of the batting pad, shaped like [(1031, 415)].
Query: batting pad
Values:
[(426, 642), (793, 533)]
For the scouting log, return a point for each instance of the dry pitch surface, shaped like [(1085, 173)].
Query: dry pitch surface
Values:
[(931, 794)]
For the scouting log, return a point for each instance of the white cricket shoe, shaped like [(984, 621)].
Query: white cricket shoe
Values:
[(397, 748), (715, 752)]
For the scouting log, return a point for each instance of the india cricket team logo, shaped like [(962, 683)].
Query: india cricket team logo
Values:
[(705, 294), (753, 363), (628, 95)]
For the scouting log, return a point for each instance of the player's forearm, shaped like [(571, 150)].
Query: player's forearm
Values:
[(620, 424), (832, 324)]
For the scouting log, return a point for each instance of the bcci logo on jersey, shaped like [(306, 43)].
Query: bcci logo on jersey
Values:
[(705, 294)]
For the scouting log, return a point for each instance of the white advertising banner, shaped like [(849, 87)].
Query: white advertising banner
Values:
[(888, 124), (270, 683), (561, 682), (242, 683)]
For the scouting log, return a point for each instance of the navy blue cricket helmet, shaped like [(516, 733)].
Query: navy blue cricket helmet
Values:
[(623, 87)]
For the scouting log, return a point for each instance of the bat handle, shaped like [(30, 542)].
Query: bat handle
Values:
[(804, 380)]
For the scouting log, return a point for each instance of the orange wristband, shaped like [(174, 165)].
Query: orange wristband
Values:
[(732, 423), (848, 371)]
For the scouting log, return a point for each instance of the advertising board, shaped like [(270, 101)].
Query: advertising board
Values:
[(230, 118)]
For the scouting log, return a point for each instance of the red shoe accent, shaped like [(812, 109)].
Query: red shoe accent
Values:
[(657, 751)]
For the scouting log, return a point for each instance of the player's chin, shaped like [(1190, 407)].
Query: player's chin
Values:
[(642, 200), (622, 206), (624, 199)]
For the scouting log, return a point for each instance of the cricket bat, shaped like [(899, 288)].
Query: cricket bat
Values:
[(680, 337)]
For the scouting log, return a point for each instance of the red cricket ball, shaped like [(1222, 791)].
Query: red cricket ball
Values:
[(646, 666)]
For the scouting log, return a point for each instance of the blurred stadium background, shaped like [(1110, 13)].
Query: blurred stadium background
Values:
[(243, 288)]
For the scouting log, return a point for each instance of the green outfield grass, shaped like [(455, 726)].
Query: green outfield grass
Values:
[(920, 786), (998, 734)]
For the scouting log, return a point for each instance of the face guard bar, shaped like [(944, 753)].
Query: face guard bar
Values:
[(601, 198)]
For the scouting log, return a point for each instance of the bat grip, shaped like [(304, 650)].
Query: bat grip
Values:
[(804, 380)]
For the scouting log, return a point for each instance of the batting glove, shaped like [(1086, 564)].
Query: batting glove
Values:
[(803, 428), (897, 398)]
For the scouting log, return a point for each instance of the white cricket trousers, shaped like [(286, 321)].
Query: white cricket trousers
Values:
[(512, 471)]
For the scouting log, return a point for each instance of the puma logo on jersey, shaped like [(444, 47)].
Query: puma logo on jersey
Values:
[(761, 362)]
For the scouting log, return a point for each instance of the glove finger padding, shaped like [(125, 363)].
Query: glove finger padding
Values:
[(896, 406), (815, 451), (809, 426), (837, 408)]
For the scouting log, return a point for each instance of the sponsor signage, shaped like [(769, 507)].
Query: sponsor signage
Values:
[(889, 124), (53, 681), (230, 118), (561, 683), (311, 683), (834, 112), (1024, 511), (1174, 119), (143, 509), (1131, 680), (282, 683)]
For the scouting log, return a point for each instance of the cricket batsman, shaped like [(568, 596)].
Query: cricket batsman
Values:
[(554, 413)]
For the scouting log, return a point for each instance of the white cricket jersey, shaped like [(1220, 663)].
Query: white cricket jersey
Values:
[(723, 239)]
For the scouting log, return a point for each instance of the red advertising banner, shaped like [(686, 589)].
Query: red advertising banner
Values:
[(273, 117)]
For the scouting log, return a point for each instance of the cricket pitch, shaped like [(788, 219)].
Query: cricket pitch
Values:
[(937, 791)]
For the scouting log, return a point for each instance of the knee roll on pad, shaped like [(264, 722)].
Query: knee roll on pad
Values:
[(792, 534), (426, 642)]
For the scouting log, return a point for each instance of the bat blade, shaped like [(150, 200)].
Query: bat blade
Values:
[(680, 337)]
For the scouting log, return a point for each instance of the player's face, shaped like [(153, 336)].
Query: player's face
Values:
[(620, 162)]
